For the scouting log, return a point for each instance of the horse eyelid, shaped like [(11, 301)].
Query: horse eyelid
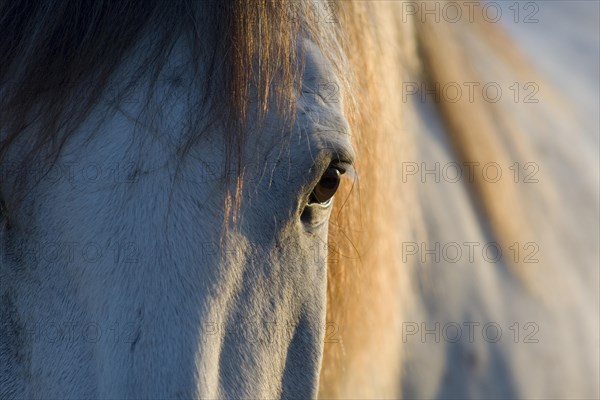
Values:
[(346, 168)]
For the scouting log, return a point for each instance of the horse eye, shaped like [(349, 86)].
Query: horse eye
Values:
[(327, 186)]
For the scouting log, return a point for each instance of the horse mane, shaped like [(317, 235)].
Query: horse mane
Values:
[(366, 284), (369, 290), (509, 132), (370, 295)]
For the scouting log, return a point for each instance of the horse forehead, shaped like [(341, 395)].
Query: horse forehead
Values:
[(316, 66), (320, 106), (320, 121)]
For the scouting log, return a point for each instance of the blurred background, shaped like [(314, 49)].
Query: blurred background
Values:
[(477, 332)]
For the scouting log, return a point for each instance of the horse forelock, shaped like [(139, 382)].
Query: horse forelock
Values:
[(58, 60)]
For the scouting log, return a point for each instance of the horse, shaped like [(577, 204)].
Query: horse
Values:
[(217, 199)]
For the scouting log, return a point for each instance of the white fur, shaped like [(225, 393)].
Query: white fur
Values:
[(178, 317)]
